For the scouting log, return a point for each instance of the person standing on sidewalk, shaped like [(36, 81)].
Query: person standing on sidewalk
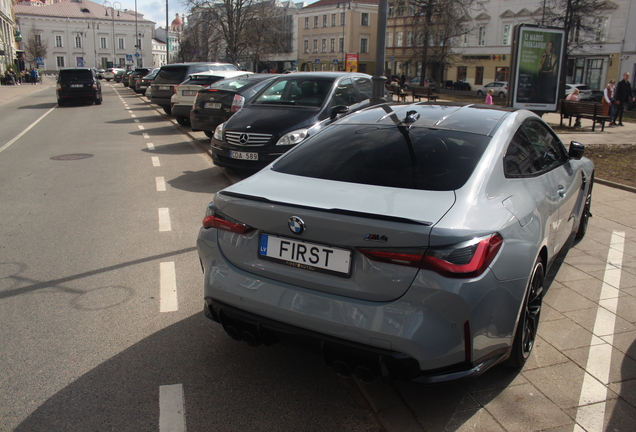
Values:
[(624, 96), (34, 76), (608, 101), (488, 100)]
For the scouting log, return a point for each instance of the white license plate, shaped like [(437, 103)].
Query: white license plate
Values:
[(188, 93), (143, 87), (305, 255), (164, 88), (243, 155), (77, 85), (212, 105)]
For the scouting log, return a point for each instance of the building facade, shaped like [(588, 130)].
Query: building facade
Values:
[(7, 41), (338, 35), (80, 33), (158, 53)]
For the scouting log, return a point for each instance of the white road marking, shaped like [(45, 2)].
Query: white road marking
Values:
[(155, 161), (136, 120), (161, 184), (164, 219), (145, 135), (171, 408), (6, 146), (150, 146), (168, 287), (141, 127), (590, 415)]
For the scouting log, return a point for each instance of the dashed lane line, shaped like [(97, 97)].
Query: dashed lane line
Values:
[(164, 220), (171, 408)]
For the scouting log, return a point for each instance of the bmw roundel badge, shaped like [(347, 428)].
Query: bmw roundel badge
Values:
[(296, 225)]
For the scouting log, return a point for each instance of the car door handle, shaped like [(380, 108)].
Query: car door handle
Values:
[(561, 191)]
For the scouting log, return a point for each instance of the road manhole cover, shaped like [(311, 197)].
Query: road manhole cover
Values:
[(76, 156)]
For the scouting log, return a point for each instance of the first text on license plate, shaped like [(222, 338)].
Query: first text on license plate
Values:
[(305, 255), (243, 155), (77, 85), (212, 105), (189, 93), (165, 88)]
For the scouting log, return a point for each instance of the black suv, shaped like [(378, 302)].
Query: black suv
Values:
[(136, 76), (174, 74), (78, 84)]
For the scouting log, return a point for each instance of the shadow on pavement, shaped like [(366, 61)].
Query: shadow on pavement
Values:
[(41, 106), (199, 181), (228, 386)]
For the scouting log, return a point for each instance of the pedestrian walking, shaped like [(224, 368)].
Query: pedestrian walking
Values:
[(624, 97), (34, 76), (489, 97)]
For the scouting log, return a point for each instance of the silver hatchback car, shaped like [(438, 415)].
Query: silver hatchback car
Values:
[(410, 240)]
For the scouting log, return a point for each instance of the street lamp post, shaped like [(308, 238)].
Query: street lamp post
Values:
[(113, 7), (94, 25), (343, 20), (79, 41)]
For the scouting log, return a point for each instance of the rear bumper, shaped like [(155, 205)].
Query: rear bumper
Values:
[(439, 330), (205, 122), (181, 110), (159, 100)]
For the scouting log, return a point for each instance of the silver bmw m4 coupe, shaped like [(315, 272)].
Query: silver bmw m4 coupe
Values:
[(408, 240)]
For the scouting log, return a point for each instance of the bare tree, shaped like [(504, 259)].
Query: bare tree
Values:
[(35, 47), (439, 24), (580, 19), (245, 29)]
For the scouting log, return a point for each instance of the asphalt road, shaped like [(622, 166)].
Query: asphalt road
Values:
[(101, 326)]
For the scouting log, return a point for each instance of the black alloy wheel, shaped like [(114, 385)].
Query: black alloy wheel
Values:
[(480, 93), (585, 216), (208, 134), (529, 320), (182, 120)]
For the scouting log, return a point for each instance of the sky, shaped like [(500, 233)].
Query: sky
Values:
[(155, 10)]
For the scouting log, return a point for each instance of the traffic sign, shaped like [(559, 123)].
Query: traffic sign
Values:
[(128, 57), (137, 54)]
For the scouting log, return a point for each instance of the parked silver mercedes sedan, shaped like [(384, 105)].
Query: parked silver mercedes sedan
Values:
[(410, 240)]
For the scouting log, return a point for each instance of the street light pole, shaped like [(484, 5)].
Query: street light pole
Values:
[(344, 22), (95, 44), (113, 7)]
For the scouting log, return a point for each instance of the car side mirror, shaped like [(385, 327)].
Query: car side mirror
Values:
[(576, 150), (340, 109)]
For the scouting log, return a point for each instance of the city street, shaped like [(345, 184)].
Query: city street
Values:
[(100, 301), (101, 322)]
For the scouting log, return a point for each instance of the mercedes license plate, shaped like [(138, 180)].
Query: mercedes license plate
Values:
[(212, 105), (243, 155), (305, 255)]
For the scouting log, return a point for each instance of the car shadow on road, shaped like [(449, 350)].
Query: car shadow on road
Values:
[(205, 181), (42, 106), (227, 386)]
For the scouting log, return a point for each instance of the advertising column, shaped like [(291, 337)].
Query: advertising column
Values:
[(537, 60), (352, 63)]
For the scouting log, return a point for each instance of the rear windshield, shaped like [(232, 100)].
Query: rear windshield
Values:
[(296, 90), (172, 75), (248, 87), (437, 160), (68, 75), (202, 80)]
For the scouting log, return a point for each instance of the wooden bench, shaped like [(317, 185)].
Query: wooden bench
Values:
[(587, 110), (420, 92), (401, 94)]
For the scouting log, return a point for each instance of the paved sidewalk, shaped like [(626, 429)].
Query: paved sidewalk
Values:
[(8, 93)]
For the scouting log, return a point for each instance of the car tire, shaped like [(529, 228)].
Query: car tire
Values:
[(585, 216), (60, 103), (98, 101), (480, 93), (502, 94), (183, 121), (526, 333), (167, 109), (107, 79), (208, 134)]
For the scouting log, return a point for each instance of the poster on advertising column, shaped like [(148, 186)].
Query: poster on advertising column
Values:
[(538, 60), (352, 63)]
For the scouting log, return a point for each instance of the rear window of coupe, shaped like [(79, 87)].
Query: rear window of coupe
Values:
[(437, 160)]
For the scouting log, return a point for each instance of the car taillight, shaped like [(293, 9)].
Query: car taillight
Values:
[(237, 103), (463, 260), (94, 86), (174, 89), (215, 219), (58, 86)]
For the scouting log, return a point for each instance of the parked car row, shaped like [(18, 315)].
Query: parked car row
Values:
[(441, 278)]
